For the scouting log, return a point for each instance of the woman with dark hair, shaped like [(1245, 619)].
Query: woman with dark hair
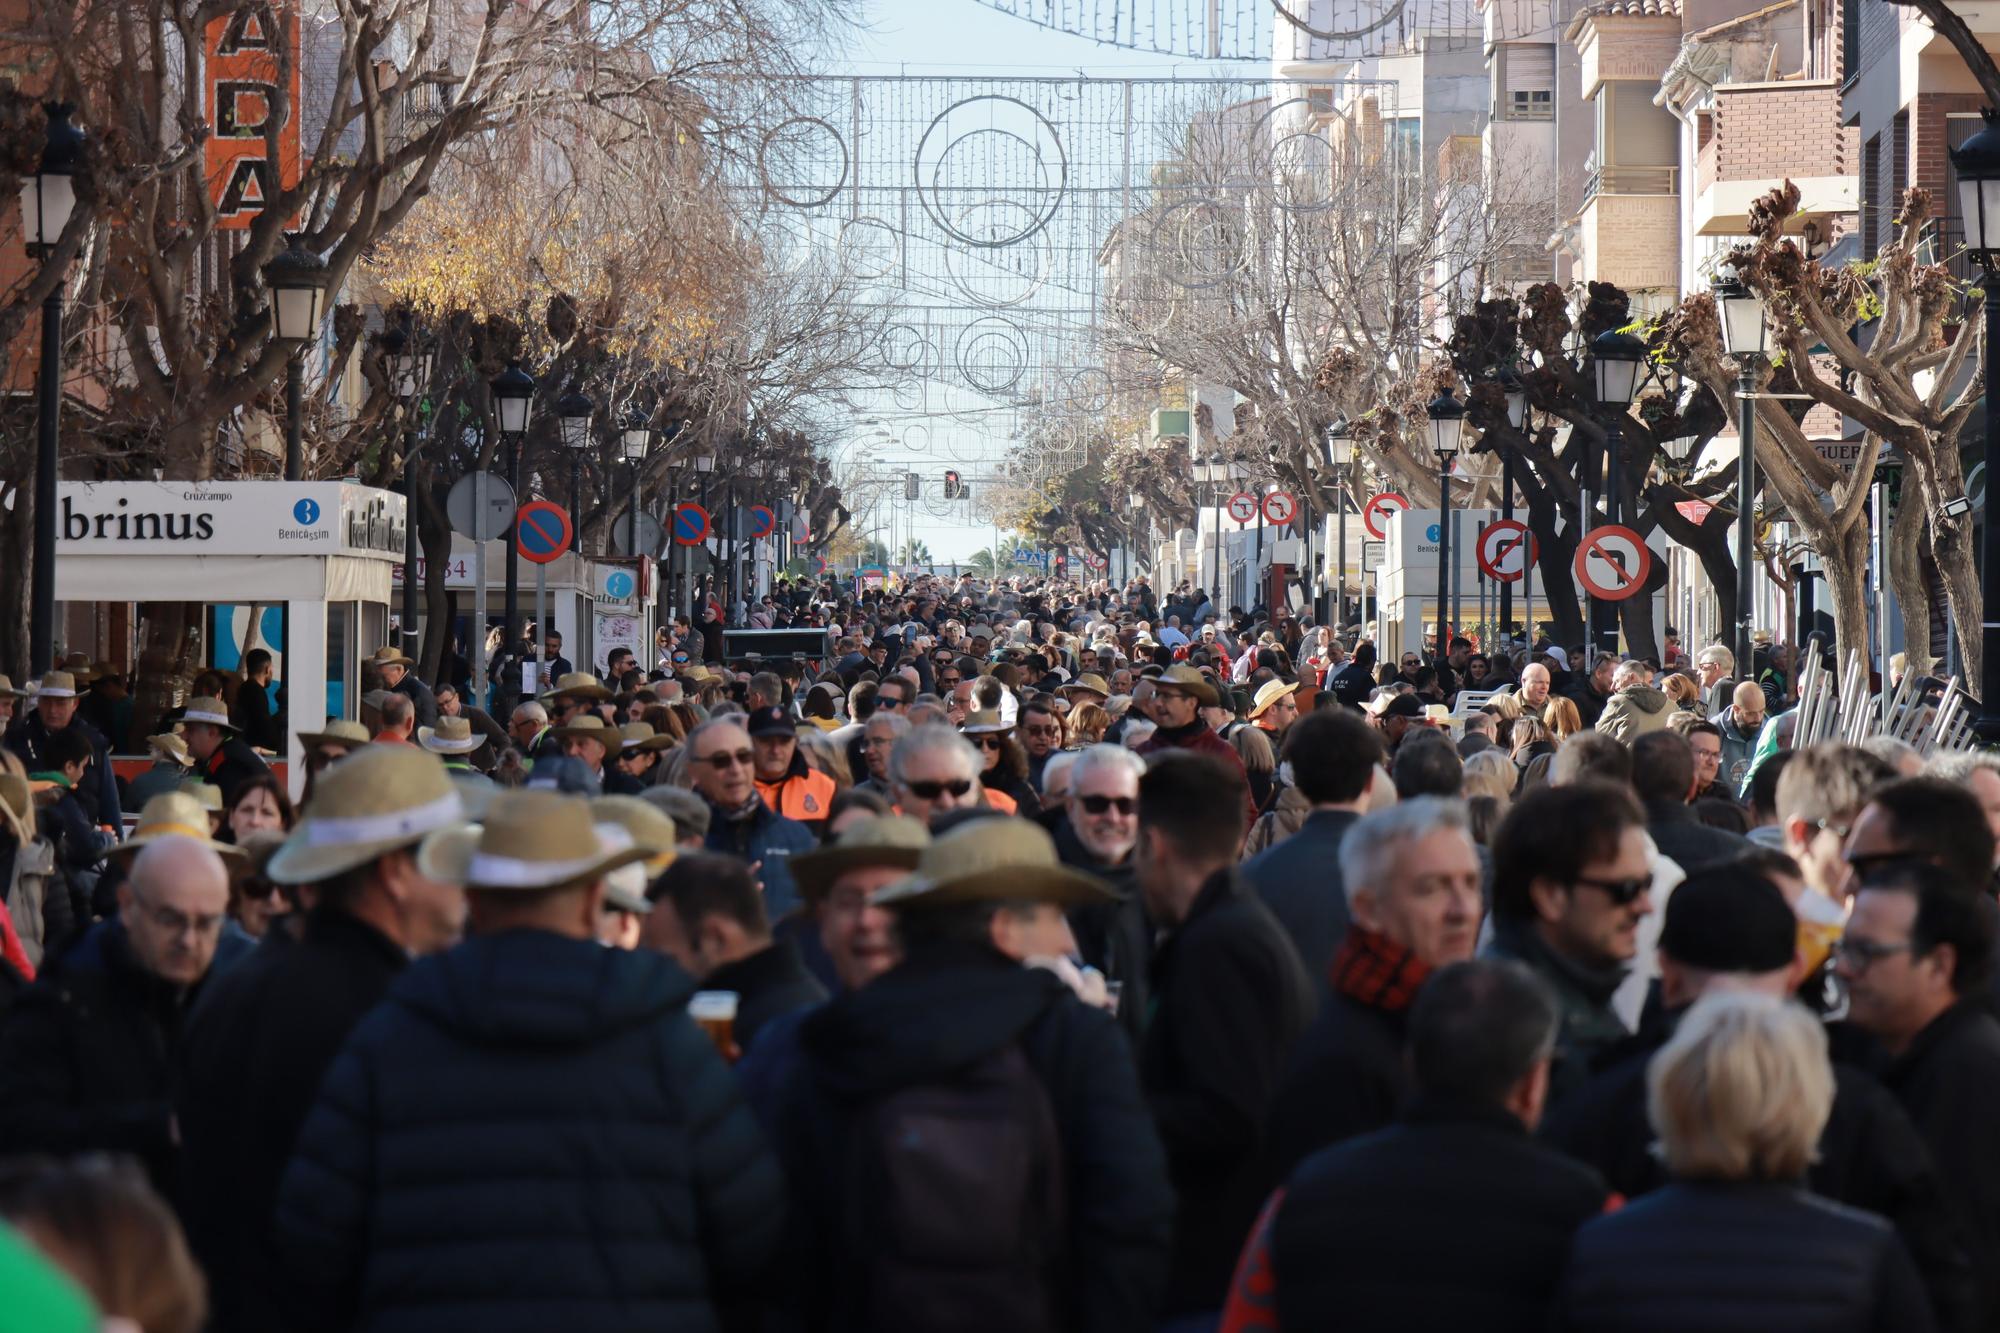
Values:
[(665, 720), (1004, 765), (258, 803)]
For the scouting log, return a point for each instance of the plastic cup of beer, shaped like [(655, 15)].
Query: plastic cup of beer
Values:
[(715, 1012)]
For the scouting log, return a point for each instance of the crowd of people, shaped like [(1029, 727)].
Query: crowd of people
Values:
[(1041, 956)]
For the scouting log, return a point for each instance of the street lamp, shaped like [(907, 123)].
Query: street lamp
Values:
[(1620, 363), (1339, 456), (1447, 417), (573, 411), (513, 391), (1744, 334), (1515, 391), (633, 439), (47, 199), (1977, 163), (297, 279), (399, 362)]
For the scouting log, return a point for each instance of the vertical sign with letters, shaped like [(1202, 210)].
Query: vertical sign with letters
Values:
[(246, 53)]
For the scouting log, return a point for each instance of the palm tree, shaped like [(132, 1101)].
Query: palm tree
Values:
[(915, 553), (983, 563)]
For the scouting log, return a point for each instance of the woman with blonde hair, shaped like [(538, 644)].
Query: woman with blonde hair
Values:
[(1682, 692), (1491, 773), (1735, 1242), (1087, 724), (1561, 717)]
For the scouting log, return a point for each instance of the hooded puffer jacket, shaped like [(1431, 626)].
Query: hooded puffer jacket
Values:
[(1634, 711)]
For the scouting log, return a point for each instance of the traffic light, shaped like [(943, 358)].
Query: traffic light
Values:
[(951, 485), (913, 485)]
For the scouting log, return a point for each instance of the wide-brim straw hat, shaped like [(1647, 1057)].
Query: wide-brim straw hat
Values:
[(340, 731), (531, 840), (452, 735), (17, 806), (986, 721), (1269, 693), (173, 814), (1089, 682), (391, 657), (206, 794), (991, 861), (7, 690), (651, 829), (380, 799), (56, 685), (641, 736), (590, 727), (1190, 680), (172, 746), (580, 684), (207, 709), (897, 841)]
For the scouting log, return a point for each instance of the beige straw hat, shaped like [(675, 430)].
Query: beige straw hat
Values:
[(339, 731), (885, 840), (590, 727), (1189, 681), (8, 691), (651, 828), (380, 799), (17, 806), (57, 685), (209, 709), (452, 735), (580, 684), (391, 657), (993, 860), (171, 746), (1089, 682), (641, 736), (174, 814), (205, 793), (984, 722), (1269, 693), (530, 840)]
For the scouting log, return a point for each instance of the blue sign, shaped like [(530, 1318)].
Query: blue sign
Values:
[(306, 513), (1433, 532), (541, 531), (619, 586)]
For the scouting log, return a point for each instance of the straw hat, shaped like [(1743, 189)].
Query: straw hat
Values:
[(380, 799), (885, 840), (7, 690), (452, 735), (17, 806), (57, 685), (340, 731), (591, 727), (209, 709), (993, 860), (1269, 693), (174, 814), (985, 722), (580, 684), (172, 747), (206, 793), (391, 657), (625, 887), (641, 736), (651, 828), (1189, 680), (1089, 682), (530, 840)]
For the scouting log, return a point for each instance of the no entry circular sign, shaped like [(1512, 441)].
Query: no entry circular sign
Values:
[(541, 531), (1612, 562), (690, 523), (1506, 548), (1375, 514), (1242, 506)]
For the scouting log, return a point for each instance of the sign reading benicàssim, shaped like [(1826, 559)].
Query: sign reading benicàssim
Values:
[(247, 51)]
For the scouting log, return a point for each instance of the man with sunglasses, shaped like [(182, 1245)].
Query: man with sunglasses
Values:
[(933, 771), (722, 764), (1572, 880), (1927, 819)]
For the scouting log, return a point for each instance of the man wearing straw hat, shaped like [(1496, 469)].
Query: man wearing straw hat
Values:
[(221, 758), (530, 1132), (957, 1054), (54, 710), (399, 675), (10, 699), (171, 762), (259, 1045)]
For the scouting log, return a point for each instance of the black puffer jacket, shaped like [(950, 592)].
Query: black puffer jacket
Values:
[(942, 1011), (1740, 1258), (528, 1134)]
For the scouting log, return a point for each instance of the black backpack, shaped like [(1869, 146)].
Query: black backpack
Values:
[(956, 1214)]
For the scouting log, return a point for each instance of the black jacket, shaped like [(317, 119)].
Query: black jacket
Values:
[(261, 725), (1949, 1082), (257, 1047), (87, 1055), (1691, 844), (1346, 1079), (232, 764), (1590, 705), (529, 1133), (419, 694), (1352, 685), (100, 793), (1739, 1258), (945, 1009), (1870, 1157), (1356, 1240), (769, 983), (1299, 880), (1591, 1028), (1115, 938), (1230, 999)]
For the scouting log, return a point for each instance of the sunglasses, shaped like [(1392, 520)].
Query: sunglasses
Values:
[(259, 889), (1868, 862), (1863, 954), (930, 791), (722, 760), (990, 743), (881, 702), (1097, 805), (1622, 892)]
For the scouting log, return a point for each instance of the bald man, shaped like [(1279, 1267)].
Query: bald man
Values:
[(1534, 687), (86, 1054)]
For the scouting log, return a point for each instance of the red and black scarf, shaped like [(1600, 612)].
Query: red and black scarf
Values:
[(1376, 971)]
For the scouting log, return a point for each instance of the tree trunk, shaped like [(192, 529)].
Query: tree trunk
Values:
[(1906, 576), (1845, 559), (1958, 567)]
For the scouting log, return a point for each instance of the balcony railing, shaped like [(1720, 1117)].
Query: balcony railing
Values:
[(1631, 180)]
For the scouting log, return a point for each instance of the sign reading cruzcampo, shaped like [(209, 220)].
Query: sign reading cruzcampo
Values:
[(228, 518)]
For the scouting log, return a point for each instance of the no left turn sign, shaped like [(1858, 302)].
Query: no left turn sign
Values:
[(1505, 549), (1279, 506), (1375, 514), (1243, 506), (1612, 562)]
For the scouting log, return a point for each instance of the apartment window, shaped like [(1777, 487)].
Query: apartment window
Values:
[(1406, 143), (1524, 76), (1319, 100)]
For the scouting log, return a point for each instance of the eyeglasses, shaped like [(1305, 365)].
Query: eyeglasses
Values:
[(1715, 757), (949, 680), (179, 923), (1097, 805), (930, 791), (1623, 892), (722, 760), (1860, 954), (990, 743)]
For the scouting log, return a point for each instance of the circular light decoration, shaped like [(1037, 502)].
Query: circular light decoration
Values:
[(904, 347), (1090, 390), (792, 162), (1196, 244), (917, 438), (991, 355), (869, 248), (991, 148), (1009, 274)]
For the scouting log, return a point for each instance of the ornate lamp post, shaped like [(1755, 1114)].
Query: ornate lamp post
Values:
[(1447, 417), (298, 281), (513, 392), (48, 198)]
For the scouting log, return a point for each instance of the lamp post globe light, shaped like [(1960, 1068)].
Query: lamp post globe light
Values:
[(1339, 453), (573, 411), (297, 279), (1977, 163), (1744, 332), (1619, 360), (48, 198), (513, 391), (634, 438), (1447, 425)]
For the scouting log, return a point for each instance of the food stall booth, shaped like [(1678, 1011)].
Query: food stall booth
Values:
[(163, 579)]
